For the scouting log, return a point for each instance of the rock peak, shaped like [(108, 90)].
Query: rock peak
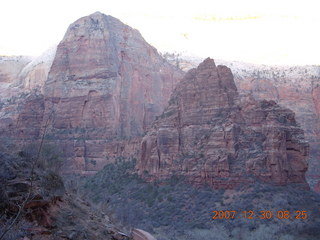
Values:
[(97, 13), (211, 135), (216, 83), (207, 63), (109, 82), (100, 15)]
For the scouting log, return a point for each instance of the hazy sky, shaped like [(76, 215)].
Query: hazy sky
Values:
[(268, 31)]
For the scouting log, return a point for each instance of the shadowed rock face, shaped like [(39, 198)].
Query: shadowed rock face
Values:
[(294, 87), (211, 135), (297, 88), (106, 84)]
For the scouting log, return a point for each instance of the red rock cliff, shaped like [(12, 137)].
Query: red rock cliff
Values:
[(106, 84), (294, 87), (211, 135)]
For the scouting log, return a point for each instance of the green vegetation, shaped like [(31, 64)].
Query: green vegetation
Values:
[(23, 181), (172, 209), (170, 203)]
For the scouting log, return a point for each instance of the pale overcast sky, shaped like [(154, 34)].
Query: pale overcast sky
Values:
[(261, 31)]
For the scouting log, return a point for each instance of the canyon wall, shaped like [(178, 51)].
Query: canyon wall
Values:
[(96, 94), (22, 101), (296, 88), (93, 96), (211, 135), (293, 87)]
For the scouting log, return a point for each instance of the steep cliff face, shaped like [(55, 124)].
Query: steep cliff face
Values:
[(22, 102), (294, 87), (106, 85), (211, 135), (93, 96), (21, 106), (316, 99)]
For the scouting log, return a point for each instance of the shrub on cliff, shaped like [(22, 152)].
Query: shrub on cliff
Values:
[(23, 183)]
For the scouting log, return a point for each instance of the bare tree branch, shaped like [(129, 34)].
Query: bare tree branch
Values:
[(28, 198)]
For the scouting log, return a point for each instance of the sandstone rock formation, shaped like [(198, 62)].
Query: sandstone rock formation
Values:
[(105, 86), (22, 102), (211, 135), (93, 96), (47, 210), (294, 87)]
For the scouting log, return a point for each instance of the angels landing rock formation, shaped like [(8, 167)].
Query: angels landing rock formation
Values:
[(106, 85), (294, 87), (211, 135)]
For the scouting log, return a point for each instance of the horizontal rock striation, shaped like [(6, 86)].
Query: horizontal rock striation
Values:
[(93, 96), (105, 86), (211, 135)]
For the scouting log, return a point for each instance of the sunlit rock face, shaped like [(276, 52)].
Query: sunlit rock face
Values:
[(106, 85), (213, 136)]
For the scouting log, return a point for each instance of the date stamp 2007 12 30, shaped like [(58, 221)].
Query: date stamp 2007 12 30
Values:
[(282, 214)]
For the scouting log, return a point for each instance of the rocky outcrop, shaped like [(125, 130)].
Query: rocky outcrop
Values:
[(211, 135), (105, 86), (294, 87), (20, 121), (22, 102), (34, 204), (93, 96)]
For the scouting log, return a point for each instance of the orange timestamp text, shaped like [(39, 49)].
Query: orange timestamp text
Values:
[(264, 214)]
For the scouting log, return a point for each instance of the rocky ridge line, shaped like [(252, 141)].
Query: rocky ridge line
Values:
[(211, 135)]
